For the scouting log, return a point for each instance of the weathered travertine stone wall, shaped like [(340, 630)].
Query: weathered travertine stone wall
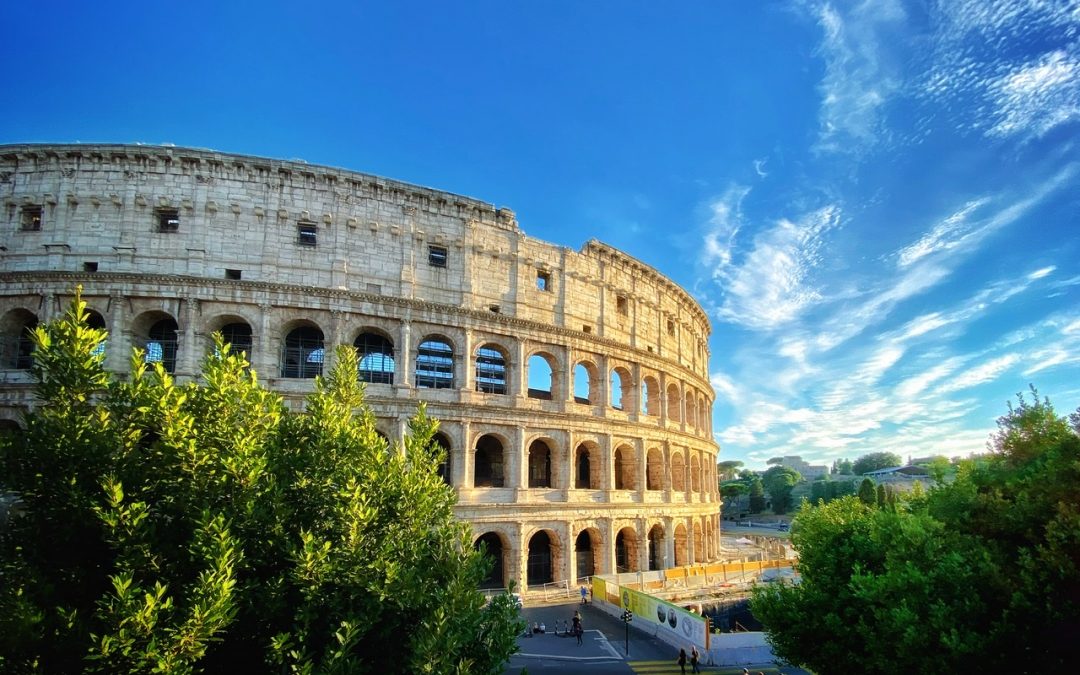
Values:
[(513, 342)]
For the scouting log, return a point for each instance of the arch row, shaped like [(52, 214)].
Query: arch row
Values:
[(389, 353)]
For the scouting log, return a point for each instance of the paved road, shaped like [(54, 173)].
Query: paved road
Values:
[(603, 648)]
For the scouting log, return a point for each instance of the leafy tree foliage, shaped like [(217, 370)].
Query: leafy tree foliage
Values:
[(180, 528), (757, 495), (867, 494), (779, 481), (842, 467), (875, 461), (978, 575), (728, 470)]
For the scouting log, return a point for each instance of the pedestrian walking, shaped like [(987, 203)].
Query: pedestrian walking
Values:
[(579, 630), (694, 657), (584, 593), (682, 661)]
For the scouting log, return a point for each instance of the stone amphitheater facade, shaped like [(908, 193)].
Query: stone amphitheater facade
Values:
[(572, 386)]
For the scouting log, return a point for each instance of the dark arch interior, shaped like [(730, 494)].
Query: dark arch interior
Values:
[(583, 549), (239, 336), (540, 569), (539, 465), (488, 469), (161, 344), (492, 546), (582, 469), (303, 353)]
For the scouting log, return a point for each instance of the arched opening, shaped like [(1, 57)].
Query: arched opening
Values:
[(490, 370), (699, 544), (97, 322), (703, 414), (674, 406), (625, 474), (155, 334), (650, 396), (585, 475), (682, 552), (539, 465), (302, 353), (488, 465), (541, 381), (695, 474), (435, 364), (9, 428), (587, 542), (491, 544), (375, 354), (626, 550), (446, 462), (617, 391), (654, 470), (678, 472), (238, 336), (656, 548), (385, 440), (18, 343), (691, 410), (584, 382), (540, 568)]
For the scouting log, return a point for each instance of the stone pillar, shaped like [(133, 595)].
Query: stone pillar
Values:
[(635, 393), (568, 569), (568, 378), (520, 558), (606, 465), (266, 348), (187, 345), (571, 552), (517, 371), (642, 469), (518, 462), (691, 554), (464, 363), (403, 378), (642, 527), (664, 412), (118, 348), (605, 557), (669, 542), (563, 471), (468, 456), (331, 341), (603, 389)]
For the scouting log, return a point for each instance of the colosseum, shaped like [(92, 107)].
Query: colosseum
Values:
[(572, 386)]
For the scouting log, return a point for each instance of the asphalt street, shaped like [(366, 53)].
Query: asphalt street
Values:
[(603, 649)]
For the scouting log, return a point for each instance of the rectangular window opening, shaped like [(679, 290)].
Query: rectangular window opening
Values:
[(437, 256), (31, 218), (586, 328), (306, 233), (494, 308), (168, 220), (233, 274), (543, 280), (671, 328), (89, 267), (622, 305)]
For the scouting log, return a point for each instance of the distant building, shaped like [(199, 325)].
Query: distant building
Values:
[(807, 471)]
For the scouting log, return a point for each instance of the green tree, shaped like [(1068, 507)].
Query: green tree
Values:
[(842, 467), (819, 491), (977, 575), (939, 468), (728, 470), (867, 494), (757, 495), (779, 481), (180, 528), (875, 461)]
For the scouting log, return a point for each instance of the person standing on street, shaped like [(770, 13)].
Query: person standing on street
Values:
[(682, 661), (584, 592), (694, 657)]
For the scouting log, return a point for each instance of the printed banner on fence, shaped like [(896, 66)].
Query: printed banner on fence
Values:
[(599, 589), (681, 624)]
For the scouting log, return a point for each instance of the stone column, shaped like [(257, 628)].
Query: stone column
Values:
[(403, 364), (520, 558), (266, 357), (118, 348), (605, 557), (669, 542), (468, 456), (642, 528), (635, 393), (641, 452), (691, 554), (330, 342), (569, 563), (517, 462), (464, 363), (606, 465), (603, 389), (188, 345), (517, 372)]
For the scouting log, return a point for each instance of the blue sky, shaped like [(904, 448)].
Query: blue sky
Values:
[(876, 201)]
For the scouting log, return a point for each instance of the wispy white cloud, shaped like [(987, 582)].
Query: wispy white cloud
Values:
[(1037, 96), (723, 385), (981, 374), (759, 168), (772, 285), (858, 81), (724, 224), (946, 235)]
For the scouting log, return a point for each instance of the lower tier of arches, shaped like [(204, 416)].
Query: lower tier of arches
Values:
[(530, 554)]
